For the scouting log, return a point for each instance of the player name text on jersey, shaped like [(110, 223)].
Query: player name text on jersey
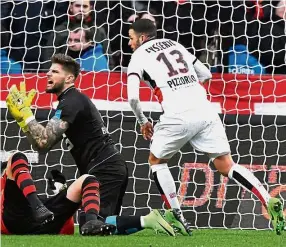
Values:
[(159, 46), (183, 80)]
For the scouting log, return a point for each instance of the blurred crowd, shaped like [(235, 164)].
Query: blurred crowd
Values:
[(242, 37)]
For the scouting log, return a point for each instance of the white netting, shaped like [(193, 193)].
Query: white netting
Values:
[(238, 37)]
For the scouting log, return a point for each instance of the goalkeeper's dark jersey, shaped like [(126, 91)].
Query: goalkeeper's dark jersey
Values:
[(87, 137)]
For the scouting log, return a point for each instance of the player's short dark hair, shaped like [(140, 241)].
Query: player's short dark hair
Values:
[(144, 26), (68, 63)]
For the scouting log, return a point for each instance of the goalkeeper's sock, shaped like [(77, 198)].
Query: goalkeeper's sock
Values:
[(23, 179), (166, 185), (90, 198), (246, 178), (125, 224)]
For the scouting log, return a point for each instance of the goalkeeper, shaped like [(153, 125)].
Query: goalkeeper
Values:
[(24, 213), (80, 123)]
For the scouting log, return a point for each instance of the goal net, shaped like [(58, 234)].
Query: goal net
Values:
[(242, 42)]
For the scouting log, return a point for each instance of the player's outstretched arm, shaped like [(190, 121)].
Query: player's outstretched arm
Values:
[(44, 138)]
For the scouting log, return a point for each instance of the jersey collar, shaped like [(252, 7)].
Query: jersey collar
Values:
[(148, 40), (64, 92)]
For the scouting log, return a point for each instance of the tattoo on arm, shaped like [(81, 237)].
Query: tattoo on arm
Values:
[(32, 141), (45, 138)]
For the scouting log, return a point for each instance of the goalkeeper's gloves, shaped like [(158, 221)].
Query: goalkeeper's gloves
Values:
[(16, 114), (18, 104), (57, 181)]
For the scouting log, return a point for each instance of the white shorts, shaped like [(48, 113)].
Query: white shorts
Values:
[(205, 132)]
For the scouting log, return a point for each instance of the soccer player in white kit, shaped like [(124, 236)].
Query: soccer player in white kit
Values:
[(175, 76)]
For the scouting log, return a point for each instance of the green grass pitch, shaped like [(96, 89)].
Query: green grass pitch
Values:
[(147, 238)]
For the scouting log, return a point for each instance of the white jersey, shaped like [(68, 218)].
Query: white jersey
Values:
[(173, 73)]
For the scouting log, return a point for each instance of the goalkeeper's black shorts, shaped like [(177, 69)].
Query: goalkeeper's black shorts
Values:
[(113, 178), (17, 215)]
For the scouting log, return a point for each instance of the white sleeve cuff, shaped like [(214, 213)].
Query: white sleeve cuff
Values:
[(136, 108)]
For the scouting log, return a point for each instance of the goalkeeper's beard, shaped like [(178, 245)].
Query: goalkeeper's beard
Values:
[(56, 89)]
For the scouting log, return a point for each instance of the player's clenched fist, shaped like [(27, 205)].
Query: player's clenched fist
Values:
[(147, 131), (18, 104)]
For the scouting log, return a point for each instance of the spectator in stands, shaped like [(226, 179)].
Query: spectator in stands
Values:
[(24, 20), (268, 30), (79, 12), (252, 37), (235, 36), (241, 61), (7, 64), (172, 21), (89, 54)]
